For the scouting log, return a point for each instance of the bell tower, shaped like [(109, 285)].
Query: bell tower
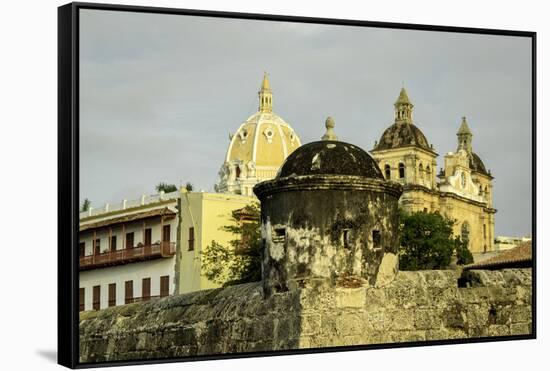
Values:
[(464, 136), (403, 108)]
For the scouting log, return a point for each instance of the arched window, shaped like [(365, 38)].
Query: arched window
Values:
[(387, 171), (465, 232), (238, 172), (486, 191), (401, 170), (428, 173), (480, 191), (421, 171)]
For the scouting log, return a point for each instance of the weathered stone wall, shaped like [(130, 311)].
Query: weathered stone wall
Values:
[(416, 306), (326, 227)]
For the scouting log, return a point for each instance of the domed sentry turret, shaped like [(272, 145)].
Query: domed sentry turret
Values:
[(328, 218)]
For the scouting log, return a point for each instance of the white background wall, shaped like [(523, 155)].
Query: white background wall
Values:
[(28, 187), (135, 272)]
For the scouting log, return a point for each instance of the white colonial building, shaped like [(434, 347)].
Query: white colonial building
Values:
[(127, 251)]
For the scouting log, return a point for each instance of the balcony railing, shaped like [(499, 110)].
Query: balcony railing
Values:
[(118, 257)]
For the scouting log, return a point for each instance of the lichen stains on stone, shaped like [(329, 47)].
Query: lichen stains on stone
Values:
[(422, 305), (330, 157), (402, 135)]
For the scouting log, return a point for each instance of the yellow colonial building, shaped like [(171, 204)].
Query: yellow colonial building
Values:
[(462, 191), (258, 147)]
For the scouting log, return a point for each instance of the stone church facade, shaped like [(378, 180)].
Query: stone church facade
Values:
[(462, 191)]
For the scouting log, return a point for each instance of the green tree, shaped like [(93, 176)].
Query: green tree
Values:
[(166, 187), (189, 187), (463, 254), (426, 241), (85, 205), (239, 262)]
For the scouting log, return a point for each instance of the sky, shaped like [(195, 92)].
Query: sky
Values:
[(160, 94)]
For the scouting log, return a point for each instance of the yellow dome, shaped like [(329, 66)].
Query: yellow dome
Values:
[(265, 139), (258, 148)]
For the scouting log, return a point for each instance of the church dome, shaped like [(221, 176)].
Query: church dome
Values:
[(477, 165), (402, 135), (258, 148), (265, 139)]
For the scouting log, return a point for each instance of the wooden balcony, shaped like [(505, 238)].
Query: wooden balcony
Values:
[(118, 257)]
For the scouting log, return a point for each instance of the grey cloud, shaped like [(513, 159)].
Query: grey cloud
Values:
[(161, 93)]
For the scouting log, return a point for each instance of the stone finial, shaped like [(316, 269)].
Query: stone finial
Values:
[(329, 135)]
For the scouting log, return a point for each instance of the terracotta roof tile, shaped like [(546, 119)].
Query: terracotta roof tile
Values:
[(521, 254)]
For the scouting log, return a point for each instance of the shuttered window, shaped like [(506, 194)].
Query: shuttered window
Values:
[(81, 299), (96, 296), (81, 249), (97, 246), (164, 285), (113, 243), (191, 239), (146, 289), (130, 240), (128, 292), (147, 239), (166, 233), (112, 294)]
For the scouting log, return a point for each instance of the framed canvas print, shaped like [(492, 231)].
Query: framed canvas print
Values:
[(236, 185)]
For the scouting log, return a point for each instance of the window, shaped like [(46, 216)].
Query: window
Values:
[(81, 299), (128, 292), (96, 296), (238, 172), (112, 294), (166, 233), (81, 249), (484, 231), (146, 289), (401, 170), (191, 239), (278, 235), (465, 232), (421, 171), (376, 239), (345, 238), (97, 246), (130, 240), (164, 285), (387, 171), (147, 237), (113, 243)]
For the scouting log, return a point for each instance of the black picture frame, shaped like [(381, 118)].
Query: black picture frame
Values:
[(68, 175)]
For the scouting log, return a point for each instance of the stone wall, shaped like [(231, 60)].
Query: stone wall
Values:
[(416, 306)]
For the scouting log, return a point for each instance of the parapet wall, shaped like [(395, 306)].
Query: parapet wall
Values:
[(416, 306)]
